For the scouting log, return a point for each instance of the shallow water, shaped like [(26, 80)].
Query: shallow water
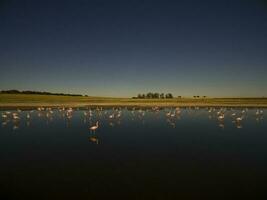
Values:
[(140, 155)]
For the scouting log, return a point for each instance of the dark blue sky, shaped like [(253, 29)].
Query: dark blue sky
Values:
[(121, 48)]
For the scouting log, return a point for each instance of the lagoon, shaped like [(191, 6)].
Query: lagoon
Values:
[(138, 153)]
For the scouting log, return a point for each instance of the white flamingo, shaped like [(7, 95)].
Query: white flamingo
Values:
[(239, 119), (119, 114), (259, 112), (168, 114), (221, 117), (15, 117), (93, 128)]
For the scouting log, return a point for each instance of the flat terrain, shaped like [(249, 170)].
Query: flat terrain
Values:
[(32, 101)]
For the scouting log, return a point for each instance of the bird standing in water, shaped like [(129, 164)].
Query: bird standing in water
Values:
[(93, 128)]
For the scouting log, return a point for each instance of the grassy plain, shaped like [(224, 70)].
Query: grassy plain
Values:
[(32, 101)]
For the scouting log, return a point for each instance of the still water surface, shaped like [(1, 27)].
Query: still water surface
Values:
[(137, 154)]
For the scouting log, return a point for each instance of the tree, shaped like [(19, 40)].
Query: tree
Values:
[(149, 95), (162, 96), (156, 95), (168, 96)]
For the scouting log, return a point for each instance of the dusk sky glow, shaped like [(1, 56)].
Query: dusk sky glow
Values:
[(122, 48)]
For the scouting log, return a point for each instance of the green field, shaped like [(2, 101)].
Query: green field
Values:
[(29, 100)]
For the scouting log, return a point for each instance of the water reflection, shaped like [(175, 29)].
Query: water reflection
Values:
[(259, 118), (94, 139), (5, 122), (239, 126), (68, 123), (28, 123), (221, 125), (111, 124), (15, 126), (171, 123)]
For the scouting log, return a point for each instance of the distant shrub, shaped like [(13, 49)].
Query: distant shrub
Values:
[(35, 92)]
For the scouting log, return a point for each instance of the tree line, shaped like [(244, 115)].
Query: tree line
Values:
[(156, 95), (36, 92)]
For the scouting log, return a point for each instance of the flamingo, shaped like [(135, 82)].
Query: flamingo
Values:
[(234, 114), (168, 114), (259, 112), (93, 128), (173, 114), (221, 117), (15, 117), (119, 114), (238, 119), (143, 113)]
